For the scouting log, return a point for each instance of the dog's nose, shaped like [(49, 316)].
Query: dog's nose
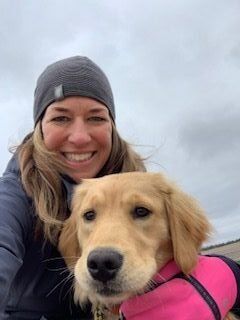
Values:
[(104, 264)]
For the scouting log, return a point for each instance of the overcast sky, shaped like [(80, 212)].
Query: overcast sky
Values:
[(174, 66)]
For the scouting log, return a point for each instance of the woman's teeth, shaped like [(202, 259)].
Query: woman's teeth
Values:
[(78, 157)]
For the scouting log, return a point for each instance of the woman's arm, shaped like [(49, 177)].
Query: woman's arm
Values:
[(15, 223)]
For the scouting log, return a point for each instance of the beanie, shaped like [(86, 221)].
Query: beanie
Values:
[(74, 76)]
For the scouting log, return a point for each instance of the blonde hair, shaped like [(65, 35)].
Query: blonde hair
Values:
[(41, 177)]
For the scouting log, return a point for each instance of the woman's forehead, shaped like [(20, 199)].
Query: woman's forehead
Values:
[(82, 104)]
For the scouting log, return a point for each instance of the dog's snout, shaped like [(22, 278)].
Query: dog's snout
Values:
[(104, 264)]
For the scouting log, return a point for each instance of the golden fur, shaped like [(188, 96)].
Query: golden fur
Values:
[(174, 226)]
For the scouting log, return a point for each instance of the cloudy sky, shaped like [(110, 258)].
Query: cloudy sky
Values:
[(174, 67)]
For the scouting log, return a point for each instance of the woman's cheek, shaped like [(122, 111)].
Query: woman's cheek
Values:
[(53, 139)]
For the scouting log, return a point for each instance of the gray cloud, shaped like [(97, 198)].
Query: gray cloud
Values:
[(214, 134)]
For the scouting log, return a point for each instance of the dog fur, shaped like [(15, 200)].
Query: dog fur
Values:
[(143, 216)]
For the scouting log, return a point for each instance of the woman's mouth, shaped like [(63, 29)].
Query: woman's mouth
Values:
[(78, 157)]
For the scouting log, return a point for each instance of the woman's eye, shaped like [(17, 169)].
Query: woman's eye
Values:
[(89, 215), (61, 119), (97, 119), (141, 212)]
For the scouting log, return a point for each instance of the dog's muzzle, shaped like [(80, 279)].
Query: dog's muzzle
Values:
[(104, 264)]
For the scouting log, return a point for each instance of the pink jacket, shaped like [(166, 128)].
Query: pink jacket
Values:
[(179, 300)]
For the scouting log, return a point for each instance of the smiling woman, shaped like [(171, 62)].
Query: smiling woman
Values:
[(74, 137), (79, 130)]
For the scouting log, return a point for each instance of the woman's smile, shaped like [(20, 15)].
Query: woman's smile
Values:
[(78, 157)]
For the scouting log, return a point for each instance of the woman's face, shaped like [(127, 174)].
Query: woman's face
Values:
[(79, 129)]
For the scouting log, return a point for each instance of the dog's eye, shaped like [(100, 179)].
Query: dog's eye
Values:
[(141, 212), (89, 215)]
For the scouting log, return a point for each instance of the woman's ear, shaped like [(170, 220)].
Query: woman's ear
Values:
[(189, 228), (68, 244)]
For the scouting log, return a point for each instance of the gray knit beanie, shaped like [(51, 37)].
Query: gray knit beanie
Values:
[(75, 76)]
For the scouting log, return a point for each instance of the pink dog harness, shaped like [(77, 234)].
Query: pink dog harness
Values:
[(207, 294)]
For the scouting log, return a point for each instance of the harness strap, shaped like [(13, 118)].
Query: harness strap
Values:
[(203, 292), (235, 267)]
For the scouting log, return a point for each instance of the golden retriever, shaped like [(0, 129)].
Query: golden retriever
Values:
[(131, 225)]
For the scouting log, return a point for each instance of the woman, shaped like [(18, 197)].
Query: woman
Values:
[(74, 137)]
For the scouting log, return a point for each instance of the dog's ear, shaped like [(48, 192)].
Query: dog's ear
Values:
[(189, 228), (68, 243)]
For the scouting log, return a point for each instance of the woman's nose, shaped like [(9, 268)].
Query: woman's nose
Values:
[(79, 134)]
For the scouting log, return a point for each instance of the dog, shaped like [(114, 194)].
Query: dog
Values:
[(123, 231)]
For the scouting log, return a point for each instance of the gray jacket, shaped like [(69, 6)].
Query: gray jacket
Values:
[(34, 281)]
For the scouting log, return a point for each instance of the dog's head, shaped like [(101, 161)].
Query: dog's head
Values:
[(123, 229)]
